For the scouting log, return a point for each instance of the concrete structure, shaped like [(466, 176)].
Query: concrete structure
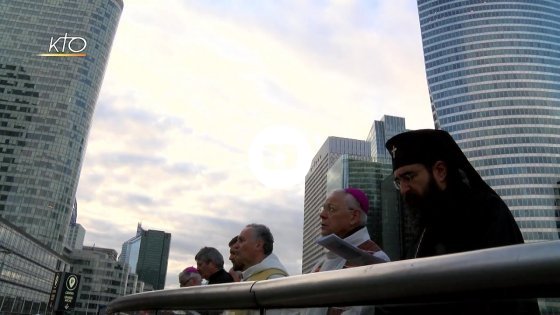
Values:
[(46, 106), (102, 278)]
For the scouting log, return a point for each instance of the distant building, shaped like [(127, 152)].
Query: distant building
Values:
[(75, 236), (27, 269), (381, 131), (146, 254), (102, 278), (131, 249), (133, 285)]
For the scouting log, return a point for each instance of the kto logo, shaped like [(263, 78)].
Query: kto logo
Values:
[(66, 46)]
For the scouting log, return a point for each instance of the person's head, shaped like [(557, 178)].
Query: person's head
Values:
[(254, 243), (189, 277), (209, 261), (343, 211), (231, 251), (427, 163)]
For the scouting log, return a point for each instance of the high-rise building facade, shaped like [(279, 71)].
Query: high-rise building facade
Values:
[(53, 56), (103, 279), (152, 259), (75, 236), (493, 70), (316, 190), (381, 131), (27, 269), (146, 254)]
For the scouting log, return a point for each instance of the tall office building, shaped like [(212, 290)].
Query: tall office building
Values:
[(75, 236), (131, 249), (53, 56), (316, 190), (381, 131), (146, 254), (494, 81)]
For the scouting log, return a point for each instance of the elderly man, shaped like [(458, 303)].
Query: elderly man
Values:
[(189, 277), (252, 254), (344, 214), (210, 264)]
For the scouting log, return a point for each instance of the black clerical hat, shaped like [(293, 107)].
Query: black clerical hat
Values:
[(427, 146), (423, 146)]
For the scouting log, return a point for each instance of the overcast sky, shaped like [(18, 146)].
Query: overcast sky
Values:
[(210, 113)]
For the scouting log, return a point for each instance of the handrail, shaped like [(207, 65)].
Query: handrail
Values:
[(517, 271)]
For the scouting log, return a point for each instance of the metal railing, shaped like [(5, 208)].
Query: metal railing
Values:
[(518, 271)]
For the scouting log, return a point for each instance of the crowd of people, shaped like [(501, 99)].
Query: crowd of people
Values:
[(454, 210)]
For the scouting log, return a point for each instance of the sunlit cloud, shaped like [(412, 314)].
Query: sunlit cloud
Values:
[(188, 130)]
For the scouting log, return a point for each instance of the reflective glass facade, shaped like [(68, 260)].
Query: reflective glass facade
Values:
[(27, 269), (316, 190), (46, 106), (493, 70)]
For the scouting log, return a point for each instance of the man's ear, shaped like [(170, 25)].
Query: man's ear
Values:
[(439, 171), (259, 244)]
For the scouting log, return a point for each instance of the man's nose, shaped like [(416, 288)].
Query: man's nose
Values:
[(405, 187)]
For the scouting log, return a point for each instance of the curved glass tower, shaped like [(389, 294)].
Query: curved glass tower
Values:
[(493, 70), (53, 56)]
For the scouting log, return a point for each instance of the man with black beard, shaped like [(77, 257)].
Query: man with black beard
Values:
[(454, 210)]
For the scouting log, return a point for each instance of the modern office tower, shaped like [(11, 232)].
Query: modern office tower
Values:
[(494, 81), (316, 190), (146, 254), (53, 56), (131, 249), (103, 279), (381, 131), (75, 236), (27, 269)]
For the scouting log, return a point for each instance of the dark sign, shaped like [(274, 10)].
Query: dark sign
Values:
[(64, 291)]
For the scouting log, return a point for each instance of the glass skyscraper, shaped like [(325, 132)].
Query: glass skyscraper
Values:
[(53, 56), (146, 254), (493, 70)]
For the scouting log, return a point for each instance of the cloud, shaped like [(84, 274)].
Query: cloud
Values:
[(193, 90)]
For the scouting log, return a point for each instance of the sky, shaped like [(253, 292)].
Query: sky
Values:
[(211, 111)]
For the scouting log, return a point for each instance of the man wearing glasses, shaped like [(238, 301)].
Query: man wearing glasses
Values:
[(456, 210), (344, 214)]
